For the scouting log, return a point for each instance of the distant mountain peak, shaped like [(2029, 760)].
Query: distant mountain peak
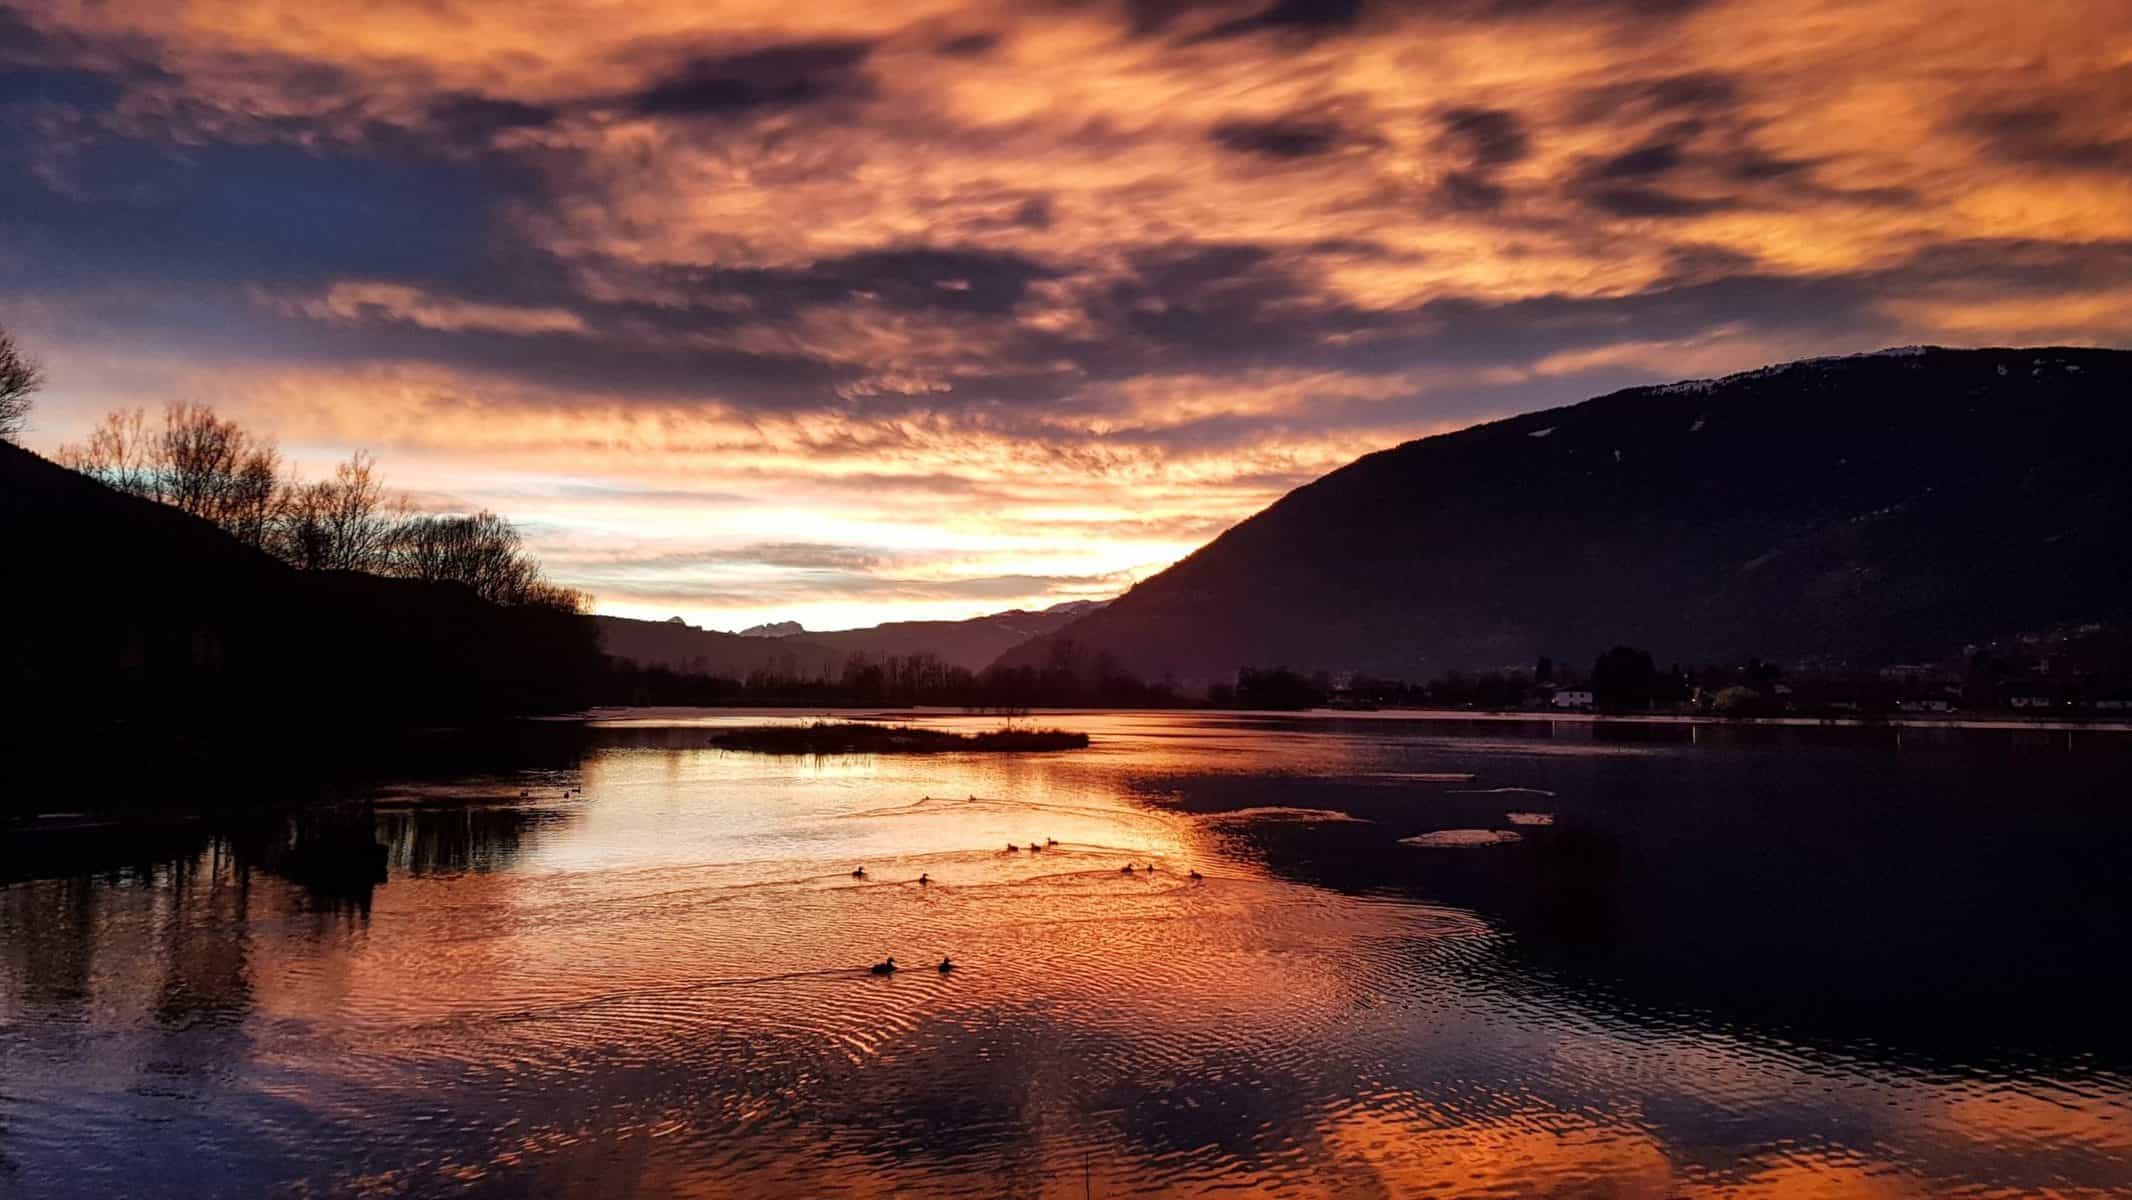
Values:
[(788, 647)]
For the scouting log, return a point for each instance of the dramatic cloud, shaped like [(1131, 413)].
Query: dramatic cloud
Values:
[(850, 311)]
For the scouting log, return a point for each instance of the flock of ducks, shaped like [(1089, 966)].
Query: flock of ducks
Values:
[(887, 966)]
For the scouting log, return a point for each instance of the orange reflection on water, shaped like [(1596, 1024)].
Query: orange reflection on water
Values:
[(659, 986)]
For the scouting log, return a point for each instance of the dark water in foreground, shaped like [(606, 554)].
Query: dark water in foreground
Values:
[(1734, 964)]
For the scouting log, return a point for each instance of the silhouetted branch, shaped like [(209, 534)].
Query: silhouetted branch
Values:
[(20, 377)]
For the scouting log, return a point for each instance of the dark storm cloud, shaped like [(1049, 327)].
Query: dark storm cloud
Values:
[(969, 45), (1290, 138), (473, 118), (1644, 162), (1469, 192), (257, 214), (2045, 134), (1159, 16), (17, 35), (1482, 141), (1231, 302), (1294, 16), (91, 90), (779, 76), (1485, 137), (82, 73), (1314, 18), (1687, 93), (962, 280)]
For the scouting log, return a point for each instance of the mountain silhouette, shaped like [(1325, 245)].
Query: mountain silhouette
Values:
[(1873, 508), (812, 654)]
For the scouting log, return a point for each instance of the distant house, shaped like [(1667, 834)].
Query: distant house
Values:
[(1573, 698)]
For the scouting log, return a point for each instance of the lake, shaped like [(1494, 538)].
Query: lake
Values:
[(1425, 957)]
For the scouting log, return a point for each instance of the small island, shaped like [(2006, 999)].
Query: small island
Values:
[(854, 737)]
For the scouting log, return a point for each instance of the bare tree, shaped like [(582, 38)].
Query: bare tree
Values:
[(20, 377), (196, 462), (212, 468), (345, 523), (482, 551), (216, 469), (119, 452), (542, 594)]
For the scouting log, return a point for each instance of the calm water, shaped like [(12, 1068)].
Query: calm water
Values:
[(1708, 963)]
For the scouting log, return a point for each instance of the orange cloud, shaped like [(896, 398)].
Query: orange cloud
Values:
[(1092, 274)]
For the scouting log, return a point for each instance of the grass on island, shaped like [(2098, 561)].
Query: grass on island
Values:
[(852, 737)]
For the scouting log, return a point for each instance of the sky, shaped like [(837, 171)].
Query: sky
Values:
[(857, 311)]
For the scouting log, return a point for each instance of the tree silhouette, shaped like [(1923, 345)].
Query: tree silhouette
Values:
[(196, 462), (481, 551), (216, 469), (1624, 677), (345, 523), (20, 377)]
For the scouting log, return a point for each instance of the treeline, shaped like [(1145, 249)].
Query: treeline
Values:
[(1069, 680), (200, 463), (1622, 679), (2082, 671), (194, 620)]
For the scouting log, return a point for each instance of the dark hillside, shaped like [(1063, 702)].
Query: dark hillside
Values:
[(131, 627), (1875, 508)]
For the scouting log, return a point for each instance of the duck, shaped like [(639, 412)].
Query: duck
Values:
[(1196, 876), (924, 879), (1127, 869), (1051, 841), (1013, 849), (886, 966), (858, 872), (946, 964), (1035, 849)]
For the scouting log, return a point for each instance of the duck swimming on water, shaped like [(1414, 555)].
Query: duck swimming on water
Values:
[(1196, 876), (946, 964), (886, 966), (924, 878), (1013, 849), (1127, 869), (858, 872), (1035, 849)]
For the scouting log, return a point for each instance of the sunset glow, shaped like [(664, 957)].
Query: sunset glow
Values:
[(849, 312)]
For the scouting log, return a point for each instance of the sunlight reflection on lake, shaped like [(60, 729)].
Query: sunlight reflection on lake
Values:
[(1727, 965)]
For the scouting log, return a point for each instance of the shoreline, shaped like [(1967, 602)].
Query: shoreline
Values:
[(652, 714), (1905, 721)]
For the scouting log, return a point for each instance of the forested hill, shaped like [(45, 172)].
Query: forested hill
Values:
[(127, 616), (1875, 508)]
